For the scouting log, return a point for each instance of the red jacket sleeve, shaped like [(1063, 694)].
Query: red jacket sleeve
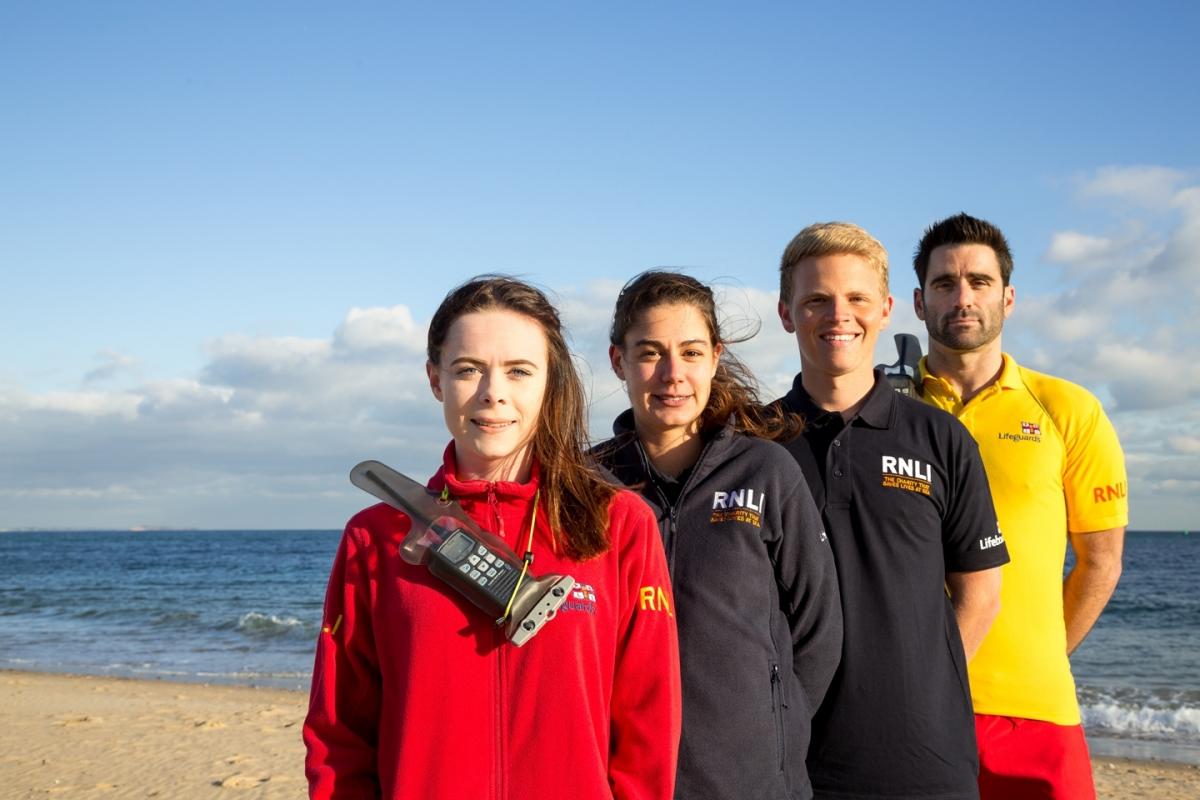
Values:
[(341, 729), (646, 685)]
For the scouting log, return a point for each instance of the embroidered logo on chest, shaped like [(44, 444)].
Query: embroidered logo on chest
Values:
[(582, 598), (743, 505), (1030, 432), (907, 474)]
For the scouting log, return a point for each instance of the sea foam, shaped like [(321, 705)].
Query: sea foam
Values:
[(1146, 714), (268, 625)]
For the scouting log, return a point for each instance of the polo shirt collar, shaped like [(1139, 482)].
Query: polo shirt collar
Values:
[(1010, 378), (875, 412)]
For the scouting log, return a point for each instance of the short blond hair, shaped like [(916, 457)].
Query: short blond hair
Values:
[(830, 239)]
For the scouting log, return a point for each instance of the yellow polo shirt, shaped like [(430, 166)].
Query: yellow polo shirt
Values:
[(1054, 464)]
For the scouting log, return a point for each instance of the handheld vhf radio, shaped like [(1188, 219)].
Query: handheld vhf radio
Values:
[(478, 565), (905, 374)]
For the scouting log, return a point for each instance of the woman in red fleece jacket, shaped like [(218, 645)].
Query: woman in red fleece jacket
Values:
[(416, 693)]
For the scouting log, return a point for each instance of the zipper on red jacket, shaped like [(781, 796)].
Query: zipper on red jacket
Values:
[(501, 707), (494, 505), (501, 792)]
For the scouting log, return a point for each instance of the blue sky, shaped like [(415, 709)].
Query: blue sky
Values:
[(223, 226)]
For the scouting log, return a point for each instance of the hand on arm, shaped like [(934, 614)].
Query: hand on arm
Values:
[(976, 600), (1090, 583)]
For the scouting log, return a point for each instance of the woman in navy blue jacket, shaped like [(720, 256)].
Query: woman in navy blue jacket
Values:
[(757, 608)]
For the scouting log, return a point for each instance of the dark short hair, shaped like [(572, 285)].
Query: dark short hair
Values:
[(962, 229)]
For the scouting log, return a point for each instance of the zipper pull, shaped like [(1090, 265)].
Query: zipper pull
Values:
[(494, 505)]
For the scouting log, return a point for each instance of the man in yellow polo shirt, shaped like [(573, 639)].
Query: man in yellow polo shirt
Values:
[(1057, 477)]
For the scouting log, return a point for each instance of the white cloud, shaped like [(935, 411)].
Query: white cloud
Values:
[(88, 403), (1071, 246), (1187, 445), (264, 362), (72, 493), (114, 364), (1152, 187), (380, 329), (1125, 326), (267, 418)]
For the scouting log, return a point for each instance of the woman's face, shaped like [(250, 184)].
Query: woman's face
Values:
[(491, 381), (667, 362)]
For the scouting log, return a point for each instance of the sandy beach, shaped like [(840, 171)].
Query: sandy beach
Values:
[(67, 736), (75, 736)]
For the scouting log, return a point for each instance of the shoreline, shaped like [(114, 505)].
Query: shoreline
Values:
[(85, 736)]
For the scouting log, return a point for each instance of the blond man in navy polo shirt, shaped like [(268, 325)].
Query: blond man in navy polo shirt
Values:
[(906, 505)]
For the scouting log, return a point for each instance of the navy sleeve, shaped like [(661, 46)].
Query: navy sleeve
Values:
[(971, 537)]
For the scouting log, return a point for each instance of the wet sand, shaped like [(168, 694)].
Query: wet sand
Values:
[(77, 736)]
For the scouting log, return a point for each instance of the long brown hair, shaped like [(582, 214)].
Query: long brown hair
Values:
[(575, 496), (734, 395)]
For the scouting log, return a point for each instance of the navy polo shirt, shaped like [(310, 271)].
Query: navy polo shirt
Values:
[(905, 500)]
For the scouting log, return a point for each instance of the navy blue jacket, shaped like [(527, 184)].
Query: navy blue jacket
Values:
[(756, 603)]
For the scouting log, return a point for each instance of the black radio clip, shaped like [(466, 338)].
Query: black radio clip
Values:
[(905, 374)]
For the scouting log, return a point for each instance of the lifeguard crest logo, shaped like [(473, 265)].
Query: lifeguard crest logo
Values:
[(743, 505), (1030, 432), (582, 599), (655, 598), (908, 474)]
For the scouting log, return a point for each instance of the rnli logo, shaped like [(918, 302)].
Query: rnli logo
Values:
[(1030, 432), (744, 505), (908, 474), (655, 598), (582, 598), (1106, 494)]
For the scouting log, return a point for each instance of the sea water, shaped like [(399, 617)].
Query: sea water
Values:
[(1138, 672), (212, 606), (245, 607)]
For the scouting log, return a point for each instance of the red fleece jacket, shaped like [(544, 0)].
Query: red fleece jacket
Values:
[(417, 694)]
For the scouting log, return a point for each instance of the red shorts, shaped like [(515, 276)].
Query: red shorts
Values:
[(1028, 758)]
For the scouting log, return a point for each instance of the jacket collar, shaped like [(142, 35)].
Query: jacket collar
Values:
[(447, 477), (626, 458)]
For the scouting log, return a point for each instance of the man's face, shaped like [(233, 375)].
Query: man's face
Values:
[(964, 301), (836, 312)]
